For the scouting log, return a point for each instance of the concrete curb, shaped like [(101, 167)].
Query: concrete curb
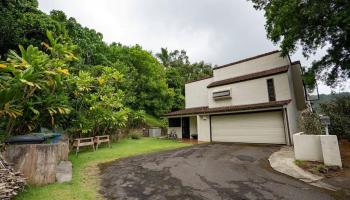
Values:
[(283, 162)]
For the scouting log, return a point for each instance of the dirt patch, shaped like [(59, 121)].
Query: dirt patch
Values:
[(335, 176), (320, 169), (344, 146)]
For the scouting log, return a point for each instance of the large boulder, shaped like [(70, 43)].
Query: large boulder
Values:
[(64, 172)]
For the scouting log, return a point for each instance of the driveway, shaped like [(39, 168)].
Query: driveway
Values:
[(207, 171)]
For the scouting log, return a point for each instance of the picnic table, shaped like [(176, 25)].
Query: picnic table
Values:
[(102, 139), (82, 142)]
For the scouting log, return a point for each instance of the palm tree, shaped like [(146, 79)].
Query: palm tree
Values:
[(164, 57)]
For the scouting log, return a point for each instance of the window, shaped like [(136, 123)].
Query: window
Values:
[(175, 122), (222, 94), (271, 90)]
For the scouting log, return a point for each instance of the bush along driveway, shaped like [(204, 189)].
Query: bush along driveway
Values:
[(85, 171), (207, 171)]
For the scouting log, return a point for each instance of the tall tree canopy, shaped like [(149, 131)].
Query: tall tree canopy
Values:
[(179, 71), (312, 24), (55, 72)]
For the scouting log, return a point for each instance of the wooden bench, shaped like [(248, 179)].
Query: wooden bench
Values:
[(102, 139), (82, 142)]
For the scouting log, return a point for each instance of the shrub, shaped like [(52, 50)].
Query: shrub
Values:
[(309, 123), (134, 136), (136, 119)]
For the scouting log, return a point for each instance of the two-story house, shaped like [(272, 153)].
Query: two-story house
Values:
[(255, 100)]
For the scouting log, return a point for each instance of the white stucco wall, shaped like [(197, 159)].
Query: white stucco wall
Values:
[(298, 86), (330, 150), (251, 92), (292, 110), (251, 66), (196, 93), (193, 125), (323, 148), (203, 127), (307, 147)]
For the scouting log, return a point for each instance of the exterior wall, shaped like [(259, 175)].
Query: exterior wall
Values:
[(251, 66), (307, 147), (323, 148), (203, 127), (330, 150), (292, 110), (196, 93), (251, 92), (193, 125), (298, 87)]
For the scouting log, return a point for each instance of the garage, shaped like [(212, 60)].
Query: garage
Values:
[(259, 127)]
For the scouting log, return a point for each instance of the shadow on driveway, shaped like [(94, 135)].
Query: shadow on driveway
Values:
[(207, 171)]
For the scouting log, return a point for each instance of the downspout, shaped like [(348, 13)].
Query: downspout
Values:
[(288, 129), (211, 138)]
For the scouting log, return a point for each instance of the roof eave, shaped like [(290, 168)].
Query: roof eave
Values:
[(232, 109)]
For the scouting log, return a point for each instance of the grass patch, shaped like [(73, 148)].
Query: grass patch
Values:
[(84, 184), (299, 162)]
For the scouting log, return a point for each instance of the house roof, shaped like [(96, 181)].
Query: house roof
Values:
[(199, 79), (251, 76), (246, 59), (207, 110), (296, 62)]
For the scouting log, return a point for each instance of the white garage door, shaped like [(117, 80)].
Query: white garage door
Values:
[(262, 127)]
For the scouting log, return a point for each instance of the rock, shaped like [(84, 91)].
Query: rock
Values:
[(64, 172)]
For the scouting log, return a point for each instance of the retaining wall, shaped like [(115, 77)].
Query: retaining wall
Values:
[(37, 162)]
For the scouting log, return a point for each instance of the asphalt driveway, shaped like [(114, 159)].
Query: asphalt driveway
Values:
[(209, 171)]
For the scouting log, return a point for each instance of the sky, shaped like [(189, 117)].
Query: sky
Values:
[(216, 31)]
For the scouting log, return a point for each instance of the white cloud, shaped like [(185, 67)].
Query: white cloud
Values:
[(218, 31)]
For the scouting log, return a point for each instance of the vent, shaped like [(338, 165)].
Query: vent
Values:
[(222, 94)]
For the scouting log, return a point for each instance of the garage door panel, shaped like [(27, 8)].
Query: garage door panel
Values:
[(263, 140), (264, 127)]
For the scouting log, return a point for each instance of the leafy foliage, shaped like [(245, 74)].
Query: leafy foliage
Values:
[(33, 86), (310, 123), (179, 71), (338, 109), (134, 135), (98, 102), (325, 98), (65, 75), (22, 23), (145, 86), (313, 25)]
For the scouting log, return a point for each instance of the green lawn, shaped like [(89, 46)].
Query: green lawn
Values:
[(85, 171)]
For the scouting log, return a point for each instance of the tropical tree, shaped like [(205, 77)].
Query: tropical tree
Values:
[(97, 102), (33, 86), (23, 23), (179, 71), (338, 109), (164, 57), (312, 25), (145, 83)]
